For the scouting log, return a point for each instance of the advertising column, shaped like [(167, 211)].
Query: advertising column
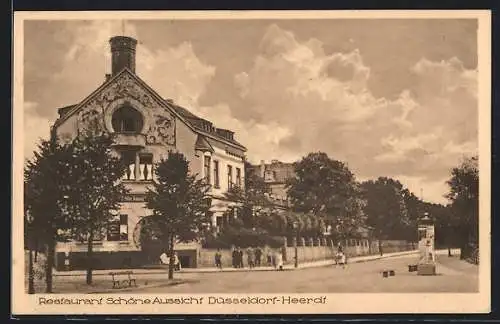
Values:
[(427, 261)]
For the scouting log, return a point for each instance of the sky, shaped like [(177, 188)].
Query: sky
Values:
[(389, 97)]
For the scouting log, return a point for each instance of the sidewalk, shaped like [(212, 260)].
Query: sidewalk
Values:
[(289, 266)]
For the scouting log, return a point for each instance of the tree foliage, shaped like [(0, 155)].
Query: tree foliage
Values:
[(70, 188), (179, 202), (45, 200), (327, 189), (95, 189), (386, 209), (464, 198), (253, 199)]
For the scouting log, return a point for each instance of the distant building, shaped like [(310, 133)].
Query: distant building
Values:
[(146, 127), (275, 175)]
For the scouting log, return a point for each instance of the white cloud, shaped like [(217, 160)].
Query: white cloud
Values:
[(302, 99), (324, 102)]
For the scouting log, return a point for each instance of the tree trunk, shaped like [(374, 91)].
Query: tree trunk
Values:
[(36, 250), (380, 247), (89, 257), (172, 258), (31, 281), (49, 266)]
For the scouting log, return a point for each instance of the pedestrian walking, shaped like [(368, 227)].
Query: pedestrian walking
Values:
[(340, 257), (279, 260), (218, 259), (250, 257), (258, 256)]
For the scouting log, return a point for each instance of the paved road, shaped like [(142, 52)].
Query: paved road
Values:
[(453, 276)]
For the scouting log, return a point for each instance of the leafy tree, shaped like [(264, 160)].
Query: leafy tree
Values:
[(253, 198), (96, 190), (385, 208), (179, 202), (415, 209), (464, 198), (45, 199), (327, 189)]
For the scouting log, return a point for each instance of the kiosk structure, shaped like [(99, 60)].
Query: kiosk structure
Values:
[(427, 262)]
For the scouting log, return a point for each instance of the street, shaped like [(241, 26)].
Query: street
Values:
[(453, 276)]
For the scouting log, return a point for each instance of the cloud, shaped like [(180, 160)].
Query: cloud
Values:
[(296, 98), (324, 102)]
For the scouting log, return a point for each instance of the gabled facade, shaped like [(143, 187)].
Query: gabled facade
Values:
[(146, 127), (275, 175)]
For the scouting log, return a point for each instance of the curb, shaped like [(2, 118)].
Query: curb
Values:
[(360, 260), (288, 267)]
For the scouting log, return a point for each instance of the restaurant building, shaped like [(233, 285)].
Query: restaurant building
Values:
[(146, 126)]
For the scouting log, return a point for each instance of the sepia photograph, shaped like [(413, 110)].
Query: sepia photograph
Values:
[(251, 162)]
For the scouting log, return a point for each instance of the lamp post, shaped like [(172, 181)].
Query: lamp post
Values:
[(295, 229)]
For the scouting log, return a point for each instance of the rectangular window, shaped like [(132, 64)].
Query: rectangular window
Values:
[(123, 227), (206, 168), (216, 174), (113, 230), (238, 177), (229, 177), (146, 167), (118, 228)]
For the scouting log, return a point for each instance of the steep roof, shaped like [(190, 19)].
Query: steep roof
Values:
[(198, 123), (194, 122)]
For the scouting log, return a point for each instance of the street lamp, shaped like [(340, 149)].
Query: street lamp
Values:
[(295, 227)]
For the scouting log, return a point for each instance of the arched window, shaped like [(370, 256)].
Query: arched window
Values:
[(127, 120)]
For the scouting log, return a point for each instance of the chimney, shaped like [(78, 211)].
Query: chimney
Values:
[(122, 53), (262, 168)]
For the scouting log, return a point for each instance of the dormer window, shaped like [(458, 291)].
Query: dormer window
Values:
[(127, 120)]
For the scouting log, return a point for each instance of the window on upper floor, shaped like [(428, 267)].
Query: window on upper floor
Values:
[(206, 169), (127, 120), (229, 176), (216, 174), (238, 177)]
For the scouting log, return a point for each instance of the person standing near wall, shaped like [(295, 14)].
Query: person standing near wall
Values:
[(235, 257), (240, 258), (258, 256), (218, 259), (250, 257), (270, 258)]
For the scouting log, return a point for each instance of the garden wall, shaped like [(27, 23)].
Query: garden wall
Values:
[(309, 251)]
